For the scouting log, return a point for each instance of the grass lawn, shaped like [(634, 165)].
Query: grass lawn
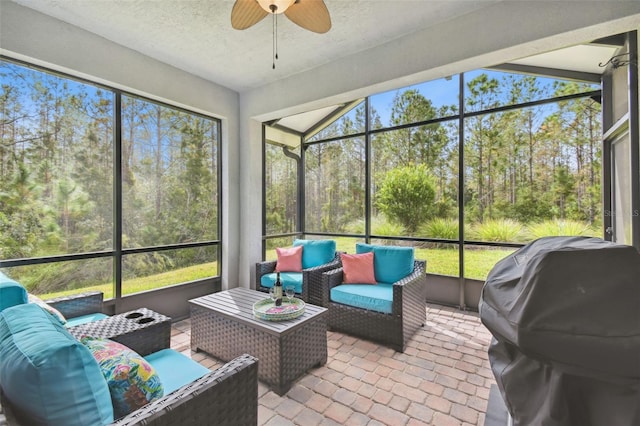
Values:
[(441, 261), (149, 282)]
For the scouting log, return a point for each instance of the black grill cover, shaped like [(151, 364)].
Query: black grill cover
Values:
[(565, 317)]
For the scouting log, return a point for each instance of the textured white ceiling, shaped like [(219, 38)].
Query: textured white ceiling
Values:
[(584, 58), (196, 35)]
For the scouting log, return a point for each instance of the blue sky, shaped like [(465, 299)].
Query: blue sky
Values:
[(441, 92)]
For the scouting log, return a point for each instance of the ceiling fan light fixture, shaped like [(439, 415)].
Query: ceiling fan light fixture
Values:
[(311, 15), (275, 6)]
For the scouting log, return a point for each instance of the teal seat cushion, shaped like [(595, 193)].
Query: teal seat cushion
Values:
[(390, 263), (316, 252), (83, 319), (47, 374), (174, 369), (378, 297), (11, 293), (286, 278)]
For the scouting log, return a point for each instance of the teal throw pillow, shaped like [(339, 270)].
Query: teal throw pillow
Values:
[(391, 263), (11, 293), (316, 252), (47, 374)]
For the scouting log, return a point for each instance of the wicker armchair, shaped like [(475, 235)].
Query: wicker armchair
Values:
[(226, 396), (311, 279), (393, 330)]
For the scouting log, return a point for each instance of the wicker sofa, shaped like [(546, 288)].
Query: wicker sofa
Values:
[(394, 329), (228, 394), (225, 396)]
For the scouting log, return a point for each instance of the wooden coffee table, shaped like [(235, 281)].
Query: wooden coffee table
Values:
[(223, 325)]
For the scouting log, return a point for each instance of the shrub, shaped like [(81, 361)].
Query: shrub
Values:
[(446, 229), (407, 195), (531, 206), (558, 227), (379, 226), (272, 243), (355, 227), (500, 230)]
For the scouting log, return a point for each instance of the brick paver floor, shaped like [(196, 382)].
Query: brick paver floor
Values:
[(443, 378)]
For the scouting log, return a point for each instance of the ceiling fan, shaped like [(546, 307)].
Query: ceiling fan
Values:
[(311, 15)]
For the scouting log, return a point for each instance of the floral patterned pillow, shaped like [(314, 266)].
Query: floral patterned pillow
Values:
[(132, 381), (32, 298)]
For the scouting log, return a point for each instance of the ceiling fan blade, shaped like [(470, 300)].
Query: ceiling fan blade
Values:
[(246, 13), (311, 15)]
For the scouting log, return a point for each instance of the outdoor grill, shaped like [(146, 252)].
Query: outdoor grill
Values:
[(565, 317)]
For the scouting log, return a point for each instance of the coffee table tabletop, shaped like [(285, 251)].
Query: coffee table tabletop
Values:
[(237, 303)]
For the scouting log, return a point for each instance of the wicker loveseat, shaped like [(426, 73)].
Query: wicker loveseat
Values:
[(318, 256), (48, 377), (405, 312)]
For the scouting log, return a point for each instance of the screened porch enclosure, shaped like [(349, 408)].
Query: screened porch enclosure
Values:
[(466, 169), (103, 190), (100, 178)]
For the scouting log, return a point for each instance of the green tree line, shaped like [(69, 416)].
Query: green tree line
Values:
[(525, 166), (57, 150)]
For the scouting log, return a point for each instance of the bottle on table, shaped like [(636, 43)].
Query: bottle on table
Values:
[(277, 289)]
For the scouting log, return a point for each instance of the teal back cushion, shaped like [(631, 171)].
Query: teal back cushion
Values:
[(316, 252), (11, 293), (50, 377), (390, 263)]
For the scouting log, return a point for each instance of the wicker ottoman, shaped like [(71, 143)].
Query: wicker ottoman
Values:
[(142, 330), (223, 325)]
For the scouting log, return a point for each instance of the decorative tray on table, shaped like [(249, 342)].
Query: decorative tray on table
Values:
[(266, 309)]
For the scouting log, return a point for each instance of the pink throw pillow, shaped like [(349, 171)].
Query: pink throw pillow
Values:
[(358, 268), (289, 259)]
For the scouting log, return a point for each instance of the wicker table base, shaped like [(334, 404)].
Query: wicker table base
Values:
[(142, 330), (223, 325)]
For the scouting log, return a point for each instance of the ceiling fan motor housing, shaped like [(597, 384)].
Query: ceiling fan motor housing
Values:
[(275, 6)]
